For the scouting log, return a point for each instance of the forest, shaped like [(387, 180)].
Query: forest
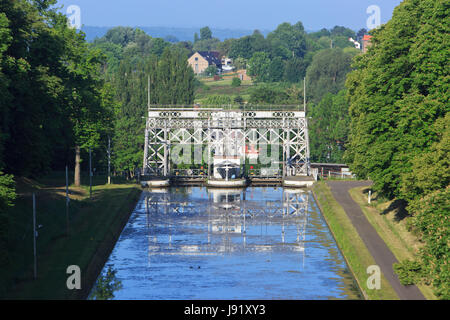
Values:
[(384, 112)]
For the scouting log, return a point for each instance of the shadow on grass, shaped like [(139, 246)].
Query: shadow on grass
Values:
[(399, 206)]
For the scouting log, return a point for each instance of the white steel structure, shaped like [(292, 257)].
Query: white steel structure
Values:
[(194, 136)]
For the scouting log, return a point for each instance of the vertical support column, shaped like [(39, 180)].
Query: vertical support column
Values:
[(165, 161), (307, 164), (146, 146), (209, 132)]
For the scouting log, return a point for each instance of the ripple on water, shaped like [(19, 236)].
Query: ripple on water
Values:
[(192, 243)]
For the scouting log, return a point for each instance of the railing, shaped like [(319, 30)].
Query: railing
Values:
[(337, 175), (191, 173), (240, 107), (265, 173)]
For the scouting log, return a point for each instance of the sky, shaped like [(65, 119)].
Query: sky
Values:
[(230, 14)]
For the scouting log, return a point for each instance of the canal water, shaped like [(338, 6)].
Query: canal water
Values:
[(193, 243)]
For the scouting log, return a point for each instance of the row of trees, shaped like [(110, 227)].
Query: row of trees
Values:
[(52, 100), (399, 132), (61, 96), (171, 82)]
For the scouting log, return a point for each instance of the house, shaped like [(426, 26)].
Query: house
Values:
[(242, 74), (366, 42), (201, 60), (356, 43), (227, 64)]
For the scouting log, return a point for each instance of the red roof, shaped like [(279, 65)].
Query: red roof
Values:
[(367, 37)]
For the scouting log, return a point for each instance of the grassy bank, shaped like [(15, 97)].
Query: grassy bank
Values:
[(351, 245), (94, 226), (222, 87), (389, 220)]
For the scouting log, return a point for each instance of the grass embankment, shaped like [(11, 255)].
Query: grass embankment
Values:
[(351, 245), (389, 219), (222, 87), (94, 226)]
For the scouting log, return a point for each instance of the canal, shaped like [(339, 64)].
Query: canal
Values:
[(193, 243)]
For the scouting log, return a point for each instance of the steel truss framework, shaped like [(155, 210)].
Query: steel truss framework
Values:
[(202, 133)]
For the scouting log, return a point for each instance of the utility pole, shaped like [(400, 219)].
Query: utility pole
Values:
[(90, 173), (34, 235), (109, 159), (308, 165), (67, 200)]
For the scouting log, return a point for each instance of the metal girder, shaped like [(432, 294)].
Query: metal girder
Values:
[(227, 132)]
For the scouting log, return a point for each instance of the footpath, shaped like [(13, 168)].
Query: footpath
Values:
[(383, 256)]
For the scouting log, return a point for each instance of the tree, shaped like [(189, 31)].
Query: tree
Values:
[(235, 82), (289, 38), (258, 67), (398, 96), (171, 82), (7, 197), (329, 128), (342, 31), (295, 70), (327, 72), (106, 285), (205, 33)]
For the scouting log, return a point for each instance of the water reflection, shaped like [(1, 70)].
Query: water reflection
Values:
[(227, 213), (107, 283), (257, 243)]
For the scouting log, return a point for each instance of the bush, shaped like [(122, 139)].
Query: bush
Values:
[(7, 197), (409, 272), (236, 82), (431, 222), (217, 100)]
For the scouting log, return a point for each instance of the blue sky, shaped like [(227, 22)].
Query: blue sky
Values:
[(232, 14)]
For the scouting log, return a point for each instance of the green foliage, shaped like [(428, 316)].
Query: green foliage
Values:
[(171, 82), (408, 271), (258, 67), (106, 285), (51, 88), (289, 40), (274, 94), (7, 197), (397, 93), (235, 82), (430, 170), (239, 100), (218, 100), (431, 222), (210, 71), (205, 33), (327, 72), (328, 127), (206, 41), (399, 135)]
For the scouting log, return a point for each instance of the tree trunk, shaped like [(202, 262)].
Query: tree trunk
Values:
[(77, 177)]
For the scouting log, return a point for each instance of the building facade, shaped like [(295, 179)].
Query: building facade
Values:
[(201, 60)]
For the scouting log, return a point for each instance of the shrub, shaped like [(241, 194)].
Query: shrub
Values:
[(236, 82)]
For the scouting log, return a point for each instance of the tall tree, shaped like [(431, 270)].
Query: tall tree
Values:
[(398, 137), (329, 128), (205, 33), (327, 72)]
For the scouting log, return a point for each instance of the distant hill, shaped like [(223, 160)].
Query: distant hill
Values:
[(182, 34)]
